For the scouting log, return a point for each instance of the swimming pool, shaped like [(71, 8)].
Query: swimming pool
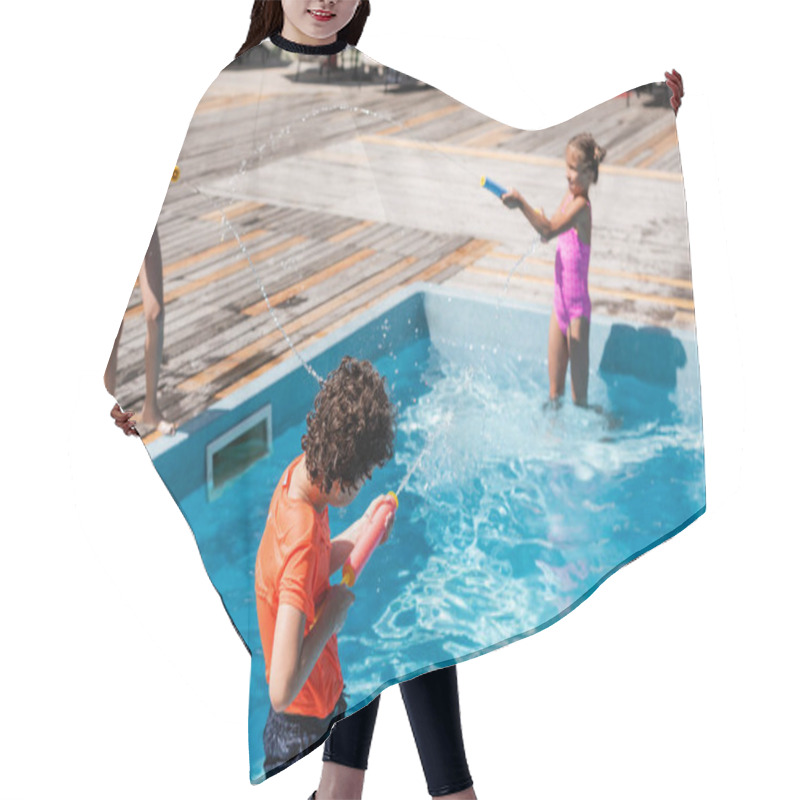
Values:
[(516, 512)]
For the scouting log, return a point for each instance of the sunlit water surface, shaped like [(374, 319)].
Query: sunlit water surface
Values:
[(514, 513)]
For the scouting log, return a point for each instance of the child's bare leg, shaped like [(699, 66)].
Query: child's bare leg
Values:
[(579, 359), (151, 283), (110, 376), (557, 358), (345, 783), (339, 782)]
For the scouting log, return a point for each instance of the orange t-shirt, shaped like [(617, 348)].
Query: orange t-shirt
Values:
[(293, 568)]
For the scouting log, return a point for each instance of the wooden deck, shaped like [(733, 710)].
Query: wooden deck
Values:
[(321, 260)]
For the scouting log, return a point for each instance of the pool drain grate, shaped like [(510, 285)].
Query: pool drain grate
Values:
[(232, 453)]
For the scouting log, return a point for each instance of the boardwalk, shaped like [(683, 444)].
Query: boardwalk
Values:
[(379, 189)]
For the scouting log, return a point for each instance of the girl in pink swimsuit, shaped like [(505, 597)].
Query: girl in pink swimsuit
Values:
[(572, 223)]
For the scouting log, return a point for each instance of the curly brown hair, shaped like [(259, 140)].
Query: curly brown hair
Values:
[(266, 18), (351, 429)]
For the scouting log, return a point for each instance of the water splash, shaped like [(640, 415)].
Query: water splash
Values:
[(522, 258), (515, 513), (270, 147), (242, 247), (425, 450), (284, 132)]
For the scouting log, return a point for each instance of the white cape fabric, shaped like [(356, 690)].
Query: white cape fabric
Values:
[(330, 206)]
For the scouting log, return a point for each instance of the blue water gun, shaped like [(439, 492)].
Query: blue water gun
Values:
[(494, 188)]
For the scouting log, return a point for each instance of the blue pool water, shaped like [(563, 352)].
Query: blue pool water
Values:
[(515, 513)]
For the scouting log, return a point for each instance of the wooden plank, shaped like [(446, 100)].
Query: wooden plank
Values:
[(668, 143), (678, 302), (498, 135), (616, 273), (334, 269), (233, 292), (230, 362), (227, 102), (352, 294), (335, 322), (351, 231), (189, 261), (237, 291), (242, 331), (211, 252), (240, 264), (666, 133), (420, 119), (519, 158), (462, 258), (232, 211)]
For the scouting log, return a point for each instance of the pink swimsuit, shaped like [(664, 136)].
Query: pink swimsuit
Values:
[(571, 296)]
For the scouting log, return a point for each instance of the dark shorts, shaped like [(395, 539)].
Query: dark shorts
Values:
[(432, 706), (288, 737)]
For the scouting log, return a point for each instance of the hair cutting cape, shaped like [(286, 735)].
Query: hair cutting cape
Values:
[(330, 206)]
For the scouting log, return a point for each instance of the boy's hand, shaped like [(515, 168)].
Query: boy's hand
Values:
[(389, 519), (337, 603), (512, 199)]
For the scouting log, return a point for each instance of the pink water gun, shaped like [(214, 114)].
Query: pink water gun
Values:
[(369, 540)]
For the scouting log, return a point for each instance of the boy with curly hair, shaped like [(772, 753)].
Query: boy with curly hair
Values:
[(349, 432)]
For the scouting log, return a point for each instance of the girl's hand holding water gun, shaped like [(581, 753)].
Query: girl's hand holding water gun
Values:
[(513, 199)]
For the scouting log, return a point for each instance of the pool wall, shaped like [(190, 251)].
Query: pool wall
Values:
[(450, 319), (288, 388)]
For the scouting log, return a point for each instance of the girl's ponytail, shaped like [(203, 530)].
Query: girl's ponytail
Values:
[(599, 155)]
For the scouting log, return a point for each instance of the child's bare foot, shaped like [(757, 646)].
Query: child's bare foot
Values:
[(614, 422), (165, 427), (552, 404), (153, 417)]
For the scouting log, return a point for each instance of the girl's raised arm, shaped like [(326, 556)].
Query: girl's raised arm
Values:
[(562, 220)]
